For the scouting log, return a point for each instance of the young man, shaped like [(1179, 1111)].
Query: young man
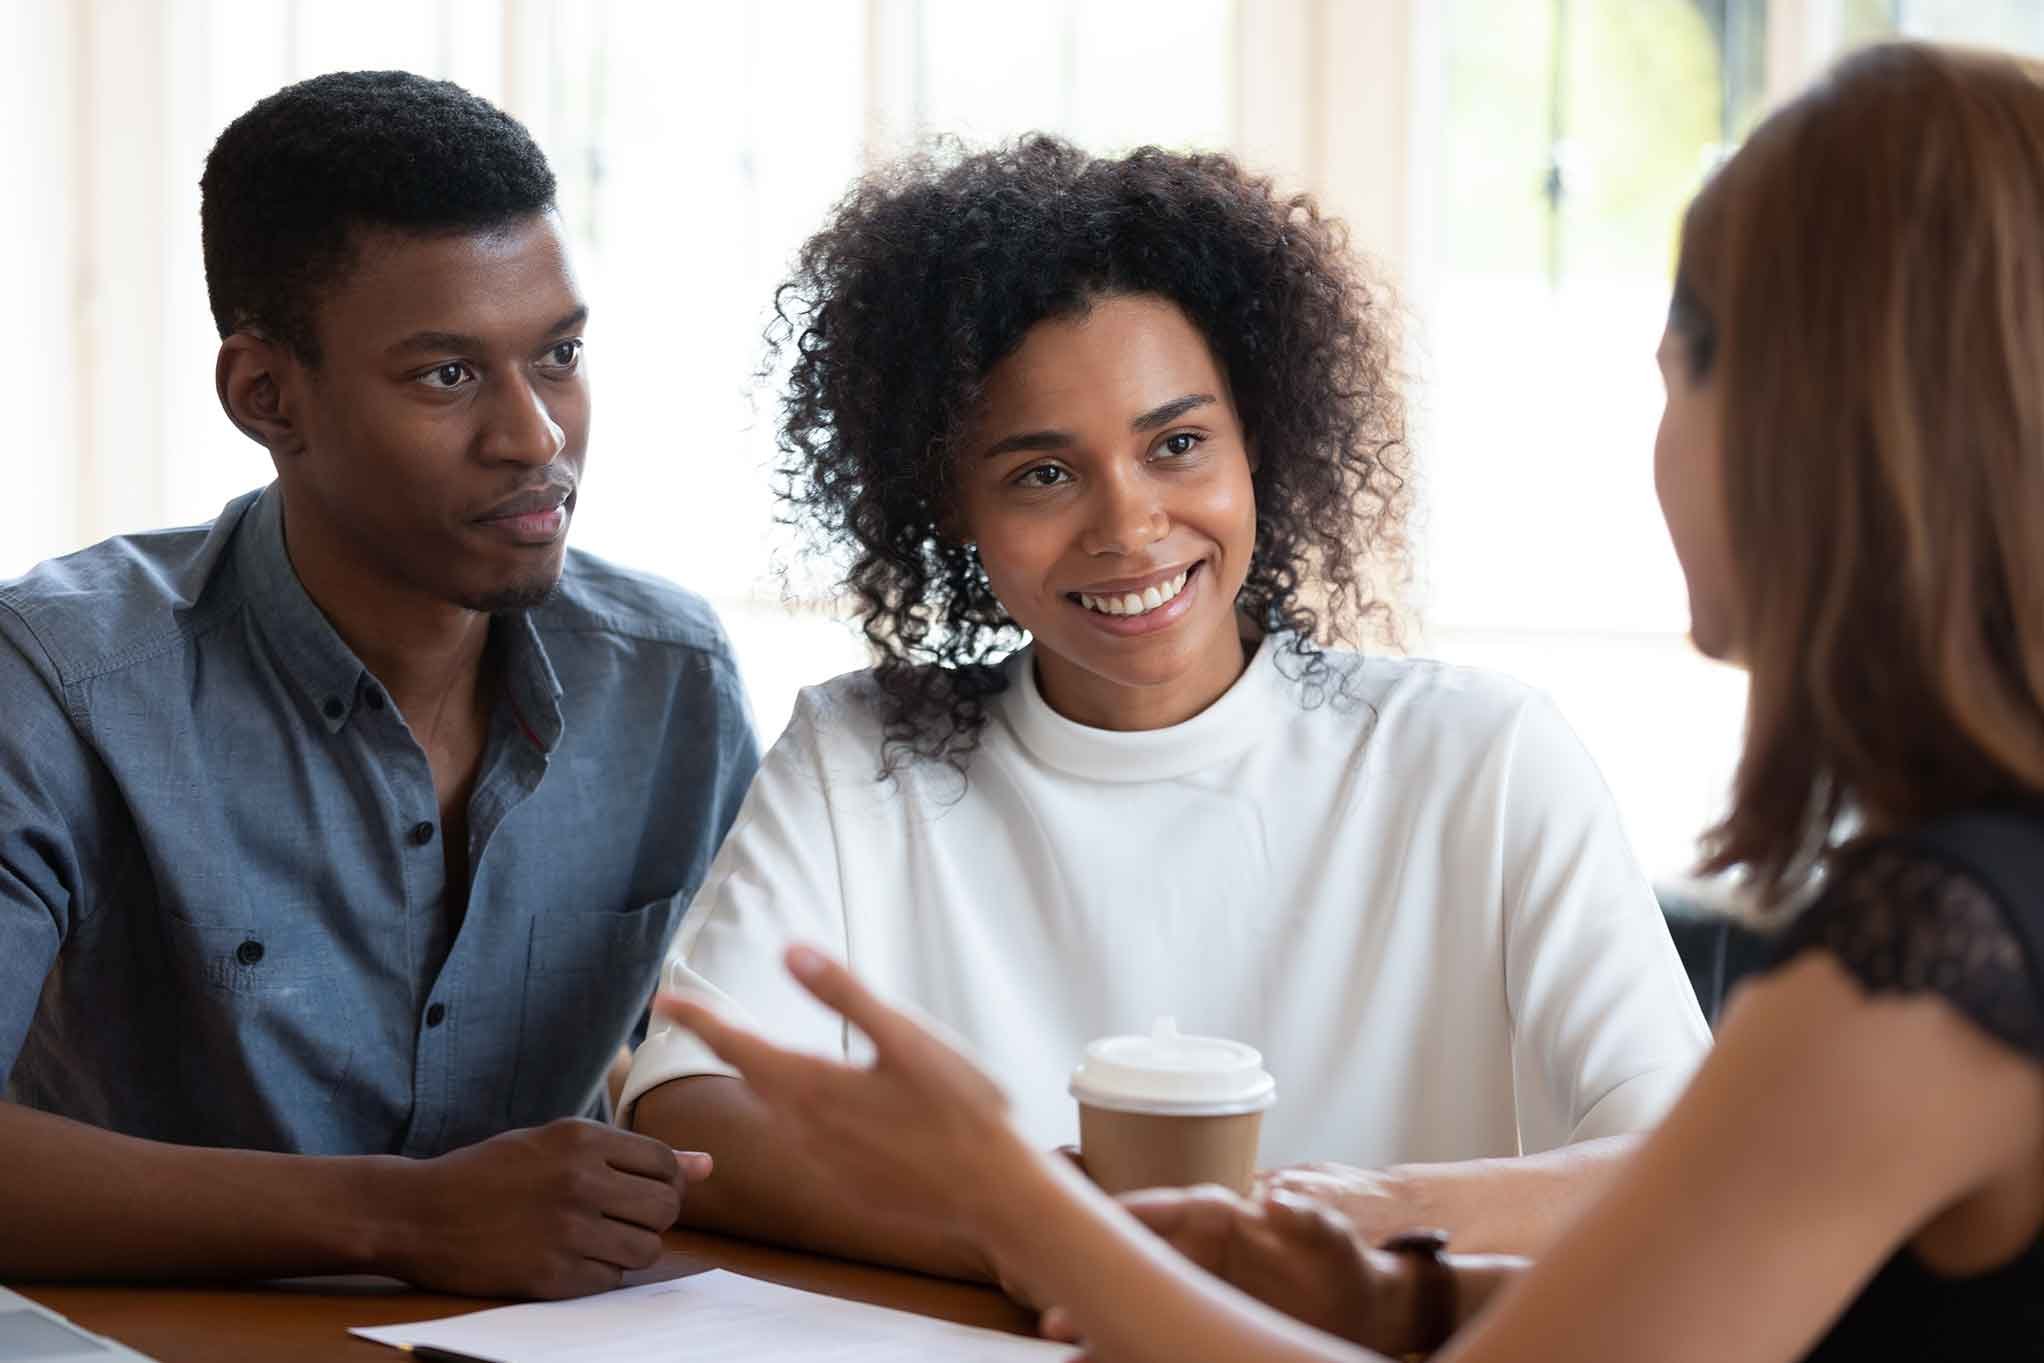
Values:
[(340, 839)]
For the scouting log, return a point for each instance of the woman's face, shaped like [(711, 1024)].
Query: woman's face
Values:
[(1689, 476), (1106, 482)]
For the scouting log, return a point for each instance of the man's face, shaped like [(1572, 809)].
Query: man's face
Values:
[(445, 428)]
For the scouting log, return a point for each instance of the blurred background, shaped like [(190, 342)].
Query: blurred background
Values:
[(1517, 168)]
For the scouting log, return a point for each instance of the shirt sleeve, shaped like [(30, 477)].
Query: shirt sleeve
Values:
[(774, 883), (1606, 1029), (47, 780)]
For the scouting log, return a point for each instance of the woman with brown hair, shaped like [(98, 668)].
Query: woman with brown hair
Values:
[(1852, 467)]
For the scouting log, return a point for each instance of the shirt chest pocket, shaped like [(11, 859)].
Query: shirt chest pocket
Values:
[(262, 1028), (588, 977)]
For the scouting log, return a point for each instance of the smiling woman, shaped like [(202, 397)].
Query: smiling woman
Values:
[(1108, 444), (1115, 528)]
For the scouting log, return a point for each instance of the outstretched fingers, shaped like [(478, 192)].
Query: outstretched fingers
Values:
[(890, 1030)]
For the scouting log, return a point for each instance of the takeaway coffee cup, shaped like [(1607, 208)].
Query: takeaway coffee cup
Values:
[(1166, 1110)]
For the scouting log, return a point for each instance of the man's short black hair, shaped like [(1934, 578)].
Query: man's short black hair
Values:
[(291, 180)]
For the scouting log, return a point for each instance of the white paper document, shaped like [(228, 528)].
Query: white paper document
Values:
[(714, 1317)]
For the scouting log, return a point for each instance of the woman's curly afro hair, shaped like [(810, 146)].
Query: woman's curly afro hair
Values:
[(928, 273)]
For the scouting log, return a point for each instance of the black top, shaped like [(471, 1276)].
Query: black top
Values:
[(1955, 908)]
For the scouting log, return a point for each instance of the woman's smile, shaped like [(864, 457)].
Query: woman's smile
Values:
[(1144, 605)]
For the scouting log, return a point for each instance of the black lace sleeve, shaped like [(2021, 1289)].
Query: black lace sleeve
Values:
[(1905, 922)]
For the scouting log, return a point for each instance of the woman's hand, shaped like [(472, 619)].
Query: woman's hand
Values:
[(1291, 1253), (1378, 1204), (922, 1131)]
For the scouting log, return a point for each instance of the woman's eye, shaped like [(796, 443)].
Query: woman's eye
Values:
[(1043, 475), (1182, 443), (447, 376)]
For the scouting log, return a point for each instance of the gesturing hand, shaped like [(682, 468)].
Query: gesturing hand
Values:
[(1290, 1253), (921, 1132), (559, 1210)]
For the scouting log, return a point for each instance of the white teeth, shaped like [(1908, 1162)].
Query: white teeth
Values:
[(1132, 603)]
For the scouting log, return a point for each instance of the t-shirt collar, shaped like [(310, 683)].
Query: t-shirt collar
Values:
[(1242, 715)]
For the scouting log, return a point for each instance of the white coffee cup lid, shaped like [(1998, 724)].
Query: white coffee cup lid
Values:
[(1168, 1074)]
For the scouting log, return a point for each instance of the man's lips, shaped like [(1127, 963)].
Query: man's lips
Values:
[(536, 503)]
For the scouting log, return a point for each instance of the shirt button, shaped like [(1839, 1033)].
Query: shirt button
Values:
[(374, 698), (333, 709), (249, 952), (436, 1015), (422, 833)]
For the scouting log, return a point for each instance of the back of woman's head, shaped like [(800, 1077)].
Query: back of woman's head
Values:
[(1863, 284), (931, 271)]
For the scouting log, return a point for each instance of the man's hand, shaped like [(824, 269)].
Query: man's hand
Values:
[(560, 1210)]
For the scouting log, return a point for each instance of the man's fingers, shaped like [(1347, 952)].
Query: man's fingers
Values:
[(630, 1153), (622, 1245), (648, 1203)]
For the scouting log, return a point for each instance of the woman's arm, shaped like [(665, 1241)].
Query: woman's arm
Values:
[(1493, 1206), (1826, 1128)]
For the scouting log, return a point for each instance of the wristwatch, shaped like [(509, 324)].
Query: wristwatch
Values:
[(1433, 1305)]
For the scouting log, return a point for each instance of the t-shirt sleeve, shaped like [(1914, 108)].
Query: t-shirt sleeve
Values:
[(1905, 921), (1605, 1025), (773, 883), (46, 796)]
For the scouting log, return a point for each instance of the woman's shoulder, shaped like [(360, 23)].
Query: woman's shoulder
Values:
[(839, 730), (1424, 699), (1953, 907)]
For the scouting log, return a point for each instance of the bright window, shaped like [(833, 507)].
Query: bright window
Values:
[(1520, 166)]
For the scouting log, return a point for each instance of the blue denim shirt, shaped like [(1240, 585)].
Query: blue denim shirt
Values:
[(221, 882)]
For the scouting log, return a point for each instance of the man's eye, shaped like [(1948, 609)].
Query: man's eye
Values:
[(1043, 475), (1182, 443), (446, 376), (564, 355)]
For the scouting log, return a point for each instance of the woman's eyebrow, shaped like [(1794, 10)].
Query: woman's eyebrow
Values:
[(1162, 415), (1169, 412), (1030, 440)]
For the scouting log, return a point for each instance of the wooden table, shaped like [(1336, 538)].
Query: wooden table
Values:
[(307, 1321)]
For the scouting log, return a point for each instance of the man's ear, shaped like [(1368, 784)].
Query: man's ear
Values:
[(251, 375)]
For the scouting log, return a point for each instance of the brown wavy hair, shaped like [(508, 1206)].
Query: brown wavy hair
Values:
[(931, 271), (1865, 280)]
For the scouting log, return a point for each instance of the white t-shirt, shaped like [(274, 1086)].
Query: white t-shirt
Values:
[(1418, 904)]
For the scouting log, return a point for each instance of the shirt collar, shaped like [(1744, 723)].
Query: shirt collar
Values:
[(530, 683), (312, 653), (1244, 712), (327, 671)]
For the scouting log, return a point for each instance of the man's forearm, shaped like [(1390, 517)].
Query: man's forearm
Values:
[(1506, 1206), (80, 1202), (762, 1190)]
